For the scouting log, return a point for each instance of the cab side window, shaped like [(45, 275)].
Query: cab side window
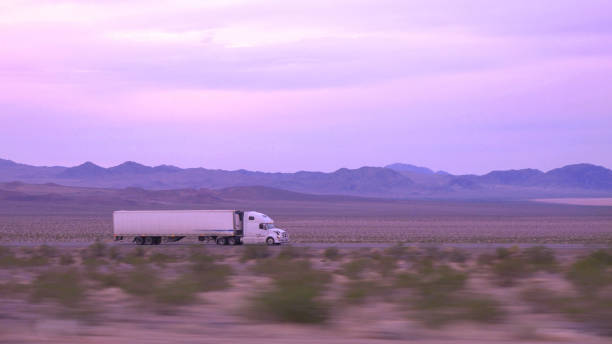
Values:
[(251, 218), (262, 226)]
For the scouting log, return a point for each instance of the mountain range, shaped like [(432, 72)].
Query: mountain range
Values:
[(402, 181)]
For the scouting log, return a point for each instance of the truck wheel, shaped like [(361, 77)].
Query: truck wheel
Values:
[(221, 241), (138, 240), (270, 241), (149, 240), (232, 241), (157, 240)]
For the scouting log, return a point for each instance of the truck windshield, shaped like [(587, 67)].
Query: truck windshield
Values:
[(269, 225)]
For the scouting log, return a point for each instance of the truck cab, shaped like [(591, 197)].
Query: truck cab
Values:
[(259, 229)]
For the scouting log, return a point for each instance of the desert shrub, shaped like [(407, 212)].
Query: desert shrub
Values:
[(295, 295), (46, 251), (508, 270), (104, 280), (481, 309), (603, 256), (113, 253), (434, 253), (398, 251), (458, 256), (435, 282), (441, 281), (486, 259), (10, 288), (543, 300), (209, 276), (7, 257), (161, 258), (540, 258), (205, 274), (439, 296), (4, 251), (591, 273), (139, 281), (66, 259), (180, 291), (594, 310), (503, 252), (356, 292), (355, 268), (135, 257), (439, 311), (407, 280), (290, 252), (64, 286), (138, 252), (254, 252), (288, 269), (385, 265), (201, 257), (331, 253), (34, 260), (96, 250)]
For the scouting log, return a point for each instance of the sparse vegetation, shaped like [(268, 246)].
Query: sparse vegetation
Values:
[(291, 252), (63, 286), (591, 273), (439, 296), (430, 285), (66, 259), (508, 270), (295, 294), (540, 258), (356, 292), (255, 252), (332, 253), (356, 268)]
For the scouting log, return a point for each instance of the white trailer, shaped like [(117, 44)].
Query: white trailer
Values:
[(225, 227)]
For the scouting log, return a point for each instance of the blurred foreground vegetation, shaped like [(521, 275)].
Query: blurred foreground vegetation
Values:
[(430, 286)]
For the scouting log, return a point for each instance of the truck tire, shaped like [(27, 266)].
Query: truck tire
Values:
[(157, 240), (232, 241), (138, 240), (270, 241), (221, 241), (149, 240)]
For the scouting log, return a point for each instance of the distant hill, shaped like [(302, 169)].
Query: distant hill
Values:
[(413, 168), (393, 181), (86, 170), (511, 177), (45, 194)]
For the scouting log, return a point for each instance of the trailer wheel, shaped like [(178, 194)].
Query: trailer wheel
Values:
[(221, 241), (149, 240), (138, 240), (157, 240), (232, 241), (270, 241)]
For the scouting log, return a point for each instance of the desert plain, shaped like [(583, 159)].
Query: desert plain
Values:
[(357, 271)]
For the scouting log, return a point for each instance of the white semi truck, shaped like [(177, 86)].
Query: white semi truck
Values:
[(225, 227)]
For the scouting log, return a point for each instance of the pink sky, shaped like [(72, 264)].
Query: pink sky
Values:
[(464, 86)]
